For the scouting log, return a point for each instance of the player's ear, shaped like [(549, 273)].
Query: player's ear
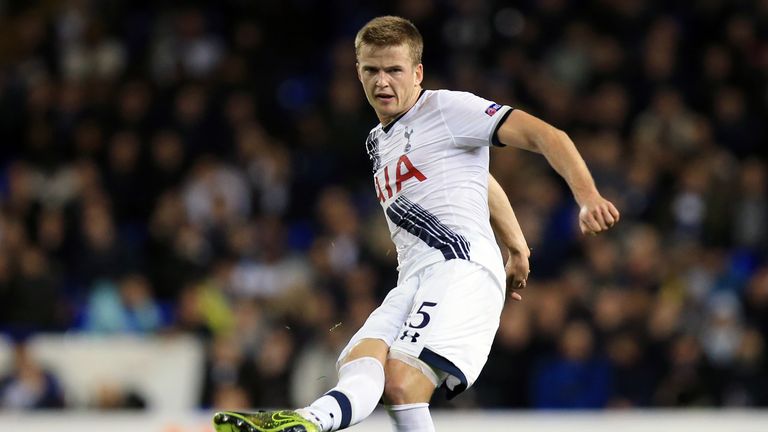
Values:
[(419, 73), (357, 69)]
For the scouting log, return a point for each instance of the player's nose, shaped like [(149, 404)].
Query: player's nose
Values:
[(382, 80)]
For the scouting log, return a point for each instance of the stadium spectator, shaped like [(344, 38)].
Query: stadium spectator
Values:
[(28, 385)]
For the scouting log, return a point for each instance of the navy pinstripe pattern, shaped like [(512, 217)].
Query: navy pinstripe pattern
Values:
[(424, 225)]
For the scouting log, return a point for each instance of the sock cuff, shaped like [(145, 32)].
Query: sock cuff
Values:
[(344, 405), (406, 407)]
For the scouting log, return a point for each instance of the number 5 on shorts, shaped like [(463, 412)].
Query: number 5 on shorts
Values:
[(425, 316)]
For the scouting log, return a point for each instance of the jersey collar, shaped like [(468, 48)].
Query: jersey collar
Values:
[(388, 127)]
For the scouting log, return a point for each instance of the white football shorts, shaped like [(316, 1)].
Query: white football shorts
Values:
[(446, 315)]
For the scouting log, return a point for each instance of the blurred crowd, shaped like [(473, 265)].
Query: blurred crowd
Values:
[(198, 167)]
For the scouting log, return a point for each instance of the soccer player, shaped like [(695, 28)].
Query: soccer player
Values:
[(430, 163)]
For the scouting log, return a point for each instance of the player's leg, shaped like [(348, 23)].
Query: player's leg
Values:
[(360, 386), (445, 340), (409, 386), (361, 364), (361, 379)]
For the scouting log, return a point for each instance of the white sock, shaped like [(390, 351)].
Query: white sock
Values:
[(411, 418), (361, 384)]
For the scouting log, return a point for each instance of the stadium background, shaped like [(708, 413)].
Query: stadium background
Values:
[(194, 172)]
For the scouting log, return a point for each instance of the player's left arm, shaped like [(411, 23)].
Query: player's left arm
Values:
[(525, 131), (505, 225)]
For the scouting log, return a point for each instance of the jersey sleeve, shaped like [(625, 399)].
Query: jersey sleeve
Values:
[(472, 120)]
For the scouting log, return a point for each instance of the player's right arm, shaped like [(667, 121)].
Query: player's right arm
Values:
[(525, 131)]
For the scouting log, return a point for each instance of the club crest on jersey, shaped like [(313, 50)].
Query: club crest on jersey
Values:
[(493, 109), (407, 135), (403, 171)]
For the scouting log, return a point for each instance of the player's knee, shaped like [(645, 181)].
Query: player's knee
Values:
[(375, 348), (405, 385), (396, 390)]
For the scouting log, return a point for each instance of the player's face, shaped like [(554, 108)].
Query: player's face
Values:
[(390, 79)]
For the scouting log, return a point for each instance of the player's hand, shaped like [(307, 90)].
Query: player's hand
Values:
[(517, 269), (597, 215)]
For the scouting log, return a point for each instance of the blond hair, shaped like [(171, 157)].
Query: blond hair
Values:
[(388, 31)]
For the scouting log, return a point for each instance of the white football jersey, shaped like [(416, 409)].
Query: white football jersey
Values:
[(431, 177)]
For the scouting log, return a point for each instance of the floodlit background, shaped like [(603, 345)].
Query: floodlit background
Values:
[(188, 221)]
